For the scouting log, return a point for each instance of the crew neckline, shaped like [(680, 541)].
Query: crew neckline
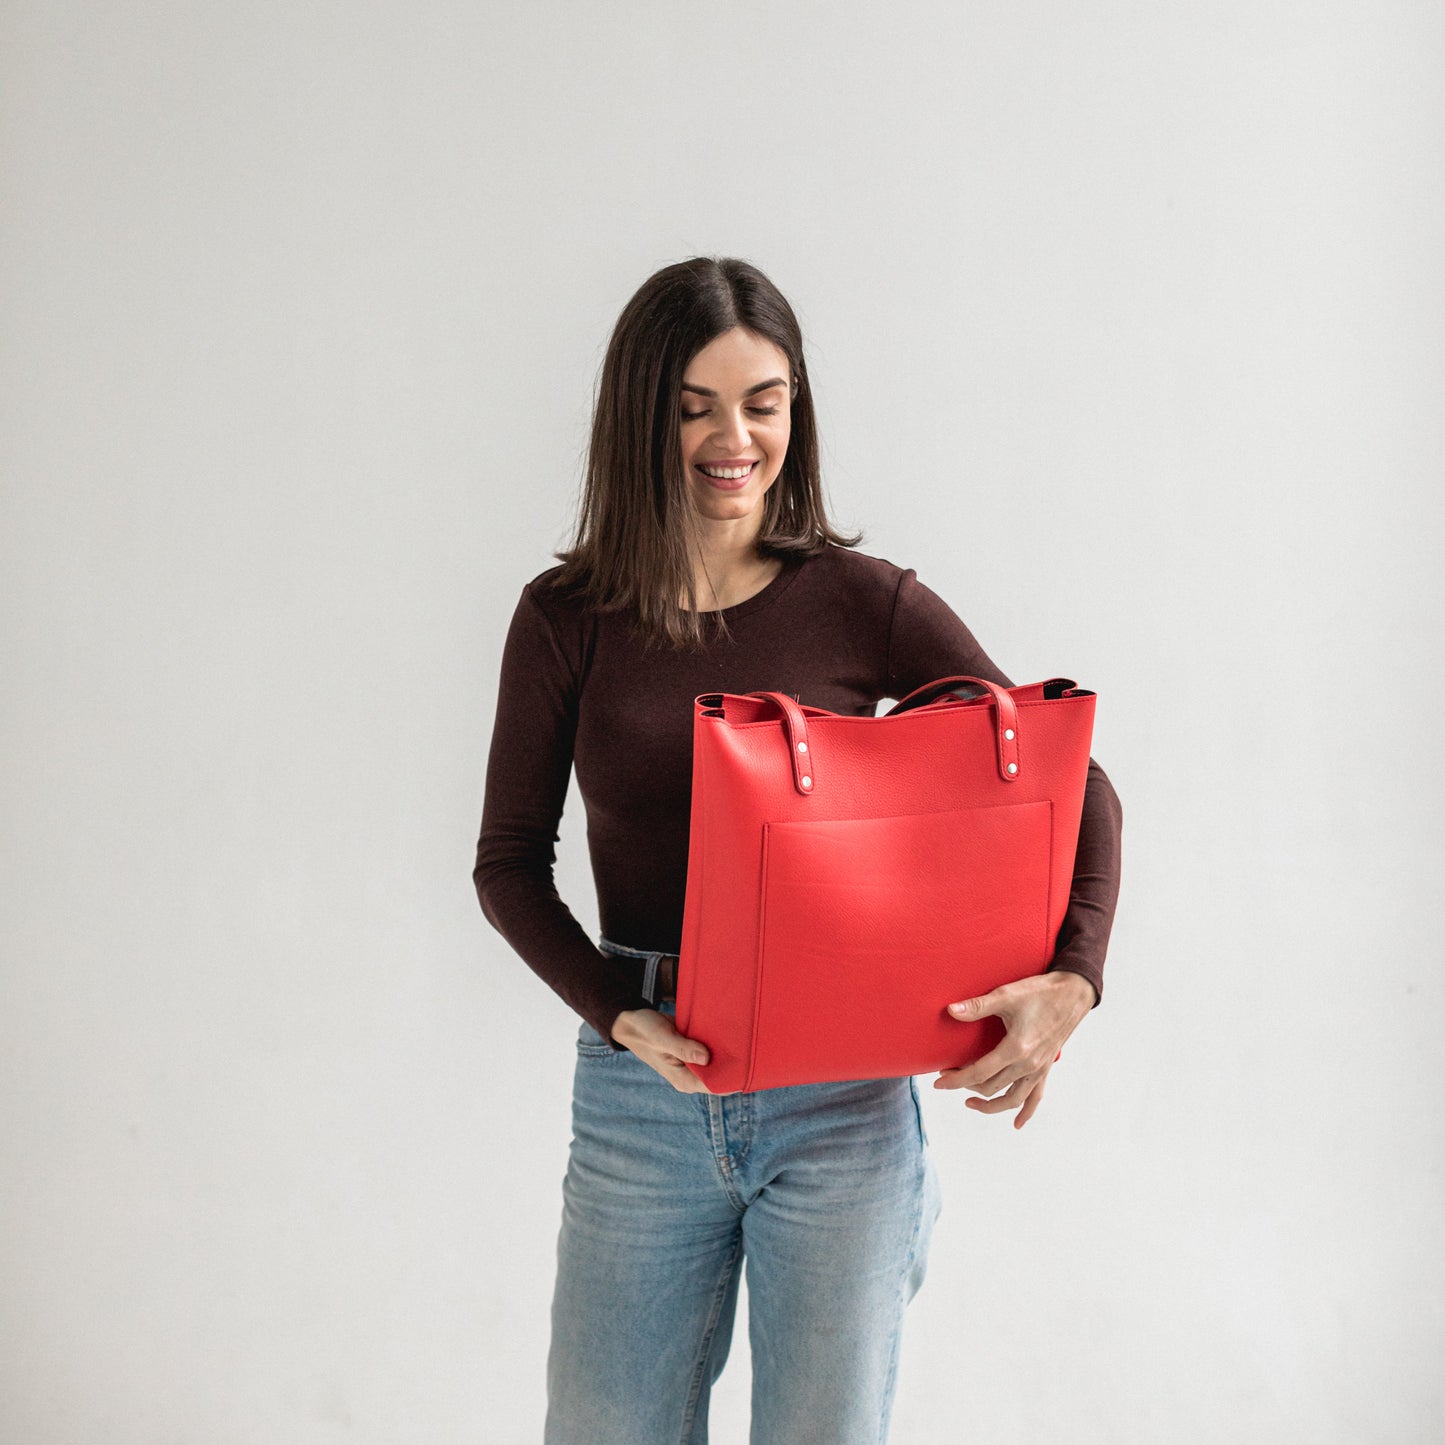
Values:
[(792, 565)]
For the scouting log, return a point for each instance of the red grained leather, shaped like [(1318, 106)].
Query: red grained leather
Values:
[(849, 877)]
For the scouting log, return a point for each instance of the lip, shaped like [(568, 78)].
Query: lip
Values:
[(723, 484)]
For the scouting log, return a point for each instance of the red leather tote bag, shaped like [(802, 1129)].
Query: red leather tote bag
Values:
[(849, 877)]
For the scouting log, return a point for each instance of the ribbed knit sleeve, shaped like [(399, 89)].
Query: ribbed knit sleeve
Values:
[(928, 640), (528, 770)]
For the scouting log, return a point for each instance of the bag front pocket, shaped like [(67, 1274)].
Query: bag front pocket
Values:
[(870, 927)]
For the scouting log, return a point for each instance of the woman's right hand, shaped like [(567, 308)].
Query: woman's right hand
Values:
[(651, 1035)]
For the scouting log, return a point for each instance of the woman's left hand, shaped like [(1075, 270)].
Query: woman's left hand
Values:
[(1039, 1012)]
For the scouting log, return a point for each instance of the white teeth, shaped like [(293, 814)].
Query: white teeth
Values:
[(730, 474)]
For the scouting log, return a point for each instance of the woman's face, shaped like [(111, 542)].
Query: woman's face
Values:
[(736, 414)]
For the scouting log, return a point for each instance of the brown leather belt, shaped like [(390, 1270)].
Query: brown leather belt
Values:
[(667, 976)]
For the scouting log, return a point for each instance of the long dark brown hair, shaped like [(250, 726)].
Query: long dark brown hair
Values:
[(630, 549)]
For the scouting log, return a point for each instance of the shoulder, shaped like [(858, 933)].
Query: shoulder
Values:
[(555, 619), (545, 582), (863, 577), (860, 566), (559, 606)]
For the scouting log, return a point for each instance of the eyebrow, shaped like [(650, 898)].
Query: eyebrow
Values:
[(751, 391)]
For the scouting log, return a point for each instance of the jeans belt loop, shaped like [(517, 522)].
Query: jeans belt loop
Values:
[(649, 978)]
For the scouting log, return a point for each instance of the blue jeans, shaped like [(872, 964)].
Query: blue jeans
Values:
[(829, 1193)]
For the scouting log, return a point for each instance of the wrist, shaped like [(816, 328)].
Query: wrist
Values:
[(1076, 986), (622, 1026)]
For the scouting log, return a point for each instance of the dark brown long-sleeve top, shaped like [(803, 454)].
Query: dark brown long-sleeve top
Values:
[(840, 630)]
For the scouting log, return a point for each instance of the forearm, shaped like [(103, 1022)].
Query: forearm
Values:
[(527, 911), (1083, 938)]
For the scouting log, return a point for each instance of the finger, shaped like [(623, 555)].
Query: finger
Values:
[(682, 1058), (1003, 1065), (675, 1047), (1030, 1105), (686, 1082), (954, 1078), (990, 1080), (1011, 1100), (981, 1006), (672, 1068), (960, 1079), (693, 1052), (987, 1066), (1005, 1078)]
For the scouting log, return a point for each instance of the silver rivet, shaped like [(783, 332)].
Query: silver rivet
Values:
[(1008, 733), (1013, 767), (802, 747), (807, 781)]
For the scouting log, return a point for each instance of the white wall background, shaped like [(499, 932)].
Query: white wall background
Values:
[(1127, 323)]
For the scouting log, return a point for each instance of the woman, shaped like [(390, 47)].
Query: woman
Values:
[(704, 561)]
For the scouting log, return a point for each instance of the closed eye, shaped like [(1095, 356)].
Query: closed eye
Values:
[(756, 411)]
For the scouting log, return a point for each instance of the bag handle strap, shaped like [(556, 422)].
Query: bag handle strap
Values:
[(795, 724), (1006, 726), (938, 689), (1005, 719)]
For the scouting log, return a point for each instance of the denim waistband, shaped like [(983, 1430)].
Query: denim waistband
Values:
[(654, 958)]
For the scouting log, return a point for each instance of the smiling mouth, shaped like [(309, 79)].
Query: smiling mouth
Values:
[(713, 477)]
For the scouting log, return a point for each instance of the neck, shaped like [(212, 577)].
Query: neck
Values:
[(729, 570)]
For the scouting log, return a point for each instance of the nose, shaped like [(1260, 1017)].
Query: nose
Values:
[(732, 428)]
